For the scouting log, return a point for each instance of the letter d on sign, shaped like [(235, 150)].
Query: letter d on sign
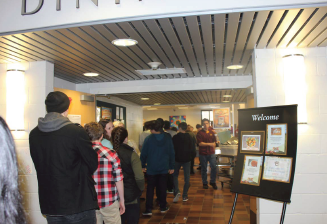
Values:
[(34, 11)]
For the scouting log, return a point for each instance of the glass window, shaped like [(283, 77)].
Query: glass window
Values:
[(208, 114)]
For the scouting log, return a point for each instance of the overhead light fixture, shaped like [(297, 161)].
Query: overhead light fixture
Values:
[(91, 74), (235, 66), (227, 95), (146, 106), (152, 108), (182, 108), (15, 97), (294, 69), (157, 104), (225, 101), (124, 42), (145, 98)]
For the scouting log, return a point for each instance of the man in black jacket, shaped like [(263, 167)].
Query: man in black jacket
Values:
[(184, 149), (64, 161)]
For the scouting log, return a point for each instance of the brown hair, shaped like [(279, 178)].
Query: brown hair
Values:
[(118, 136), (103, 122), (94, 130)]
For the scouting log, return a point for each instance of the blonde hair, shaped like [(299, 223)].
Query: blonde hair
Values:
[(118, 124)]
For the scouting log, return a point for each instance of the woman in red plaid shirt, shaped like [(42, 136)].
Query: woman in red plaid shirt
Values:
[(108, 179)]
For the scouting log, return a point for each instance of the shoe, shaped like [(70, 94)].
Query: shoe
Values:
[(170, 191), (147, 212), (205, 186), (185, 198), (164, 210), (214, 186), (175, 200)]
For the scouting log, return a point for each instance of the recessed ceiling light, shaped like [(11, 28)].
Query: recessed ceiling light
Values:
[(226, 101), (144, 98), (152, 108), (227, 95), (182, 108), (91, 74), (124, 42), (146, 106), (157, 104), (235, 66)]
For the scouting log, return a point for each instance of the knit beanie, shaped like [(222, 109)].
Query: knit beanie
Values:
[(57, 102)]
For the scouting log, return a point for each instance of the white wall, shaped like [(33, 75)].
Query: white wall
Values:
[(309, 190), (134, 116), (63, 84), (48, 17), (38, 83)]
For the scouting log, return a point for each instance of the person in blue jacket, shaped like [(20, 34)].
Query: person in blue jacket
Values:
[(158, 159)]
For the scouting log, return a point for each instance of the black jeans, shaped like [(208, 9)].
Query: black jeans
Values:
[(160, 182), (132, 213), (170, 182), (86, 217)]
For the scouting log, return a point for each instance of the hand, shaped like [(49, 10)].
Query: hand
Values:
[(121, 207), (144, 170), (170, 171)]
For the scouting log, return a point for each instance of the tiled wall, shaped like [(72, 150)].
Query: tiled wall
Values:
[(134, 116), (309, 196), (38, 83)]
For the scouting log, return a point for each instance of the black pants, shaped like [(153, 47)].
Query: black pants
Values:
[(170, 182), (160, 182), (132, 213), (192, 164)]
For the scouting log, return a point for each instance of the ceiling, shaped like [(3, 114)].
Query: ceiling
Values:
[(204, 45), (185, 97)]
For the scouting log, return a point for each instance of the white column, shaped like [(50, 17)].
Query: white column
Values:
[(38, 83), (309, 194)]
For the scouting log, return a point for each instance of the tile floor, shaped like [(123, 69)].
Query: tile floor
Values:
[(203, 206)]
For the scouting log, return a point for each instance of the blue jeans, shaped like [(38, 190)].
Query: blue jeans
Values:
[(186, 168), (204, 159), (86, 217)]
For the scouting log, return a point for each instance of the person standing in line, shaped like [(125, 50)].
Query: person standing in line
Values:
[(189, 131), (184, 149), (64, 161), (158, 159), (11, 209), (107, 126), (168, 130), (133, 175), (207, 144), (108, 179), (145, 133)]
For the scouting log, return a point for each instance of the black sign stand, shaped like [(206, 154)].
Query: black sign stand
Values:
[(234, 205)]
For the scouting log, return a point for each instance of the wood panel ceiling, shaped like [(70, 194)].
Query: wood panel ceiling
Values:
[(204, 45), (185, 97)]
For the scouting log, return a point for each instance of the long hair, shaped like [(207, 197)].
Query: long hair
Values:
[(119, 134), (103, 122), (11, 209)]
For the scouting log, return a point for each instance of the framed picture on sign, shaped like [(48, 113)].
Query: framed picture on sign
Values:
[(251, 172), (277, 169), (221, 118), (252, 142), (276, 139)]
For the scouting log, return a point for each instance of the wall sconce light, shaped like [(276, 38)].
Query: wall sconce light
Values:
[(295, 85), (15, 98)]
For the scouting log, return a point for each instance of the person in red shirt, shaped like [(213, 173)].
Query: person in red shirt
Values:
[(207, 144), (108, 179)]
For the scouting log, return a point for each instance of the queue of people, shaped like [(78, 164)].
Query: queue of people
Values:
[(96, 174)]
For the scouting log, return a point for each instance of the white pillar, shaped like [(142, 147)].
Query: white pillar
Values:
[(38, 83)]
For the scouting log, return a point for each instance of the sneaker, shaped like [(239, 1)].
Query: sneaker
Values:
[(147, 212), (170, 191), (163, 210), (185, 198), (175, 200), (214, 186), (205, 186)]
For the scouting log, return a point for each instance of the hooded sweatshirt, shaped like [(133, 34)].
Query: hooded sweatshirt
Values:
[(158, 154), (64, 161)]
